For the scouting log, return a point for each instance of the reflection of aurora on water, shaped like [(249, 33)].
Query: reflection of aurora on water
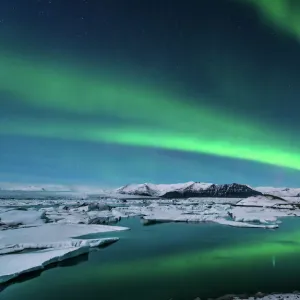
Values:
[(67, 90), (274, 261), (171, 266)]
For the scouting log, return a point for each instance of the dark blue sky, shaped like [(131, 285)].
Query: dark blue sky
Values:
[(218, 51)]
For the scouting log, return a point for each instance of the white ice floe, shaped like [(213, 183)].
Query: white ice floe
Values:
[(92, 213), (252, 211), (259, 214), (262, 210), (280, 191), (21, 217), (255, 212), (56, 243), (287, 296), (13, 265), (19, 247), (217, 214), (243, 224), (52, 233), (261, 201)]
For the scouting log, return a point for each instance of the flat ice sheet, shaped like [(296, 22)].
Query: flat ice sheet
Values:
[(51, 233), (57, 238)]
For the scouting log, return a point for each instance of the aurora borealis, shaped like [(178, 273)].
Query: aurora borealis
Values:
[(115, 95), (281, 13)]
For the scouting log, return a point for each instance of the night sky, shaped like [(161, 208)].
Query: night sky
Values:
[(109, 92)]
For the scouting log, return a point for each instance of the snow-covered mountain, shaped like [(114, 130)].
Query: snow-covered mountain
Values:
[(280, 191), (7, 186), (19, 187), (189, 189), (150, 189), (178, 190)]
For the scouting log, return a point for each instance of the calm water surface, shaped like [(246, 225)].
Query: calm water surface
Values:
[(175, 260)]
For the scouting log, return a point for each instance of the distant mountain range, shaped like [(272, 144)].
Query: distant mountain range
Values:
[(178, 190), (16, 187), (4, 186), (199, 189), (280, 192)]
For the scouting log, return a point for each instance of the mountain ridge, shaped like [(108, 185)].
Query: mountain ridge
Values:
[(189, 189)]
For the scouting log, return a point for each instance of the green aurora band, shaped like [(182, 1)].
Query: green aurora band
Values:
[(162, 119), (284, 14)]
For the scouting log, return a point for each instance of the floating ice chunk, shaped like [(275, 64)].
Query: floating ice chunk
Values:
[(49, 243), (13, 265), (51, 233), (261, 201), (15, 248), (290, 296), (259, 214), (22, 217), (244, 224)]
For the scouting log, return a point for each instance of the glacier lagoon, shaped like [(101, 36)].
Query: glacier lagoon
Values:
[(174, 261)]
